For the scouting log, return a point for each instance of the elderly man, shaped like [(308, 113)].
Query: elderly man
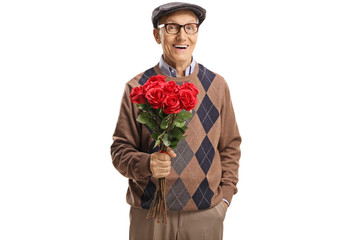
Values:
[(202, 172)]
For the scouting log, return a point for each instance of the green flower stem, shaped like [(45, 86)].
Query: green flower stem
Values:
[(158, 206), (173, 117), (157, 121)]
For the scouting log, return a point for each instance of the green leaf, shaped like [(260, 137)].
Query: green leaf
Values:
[(162, 134), (164, 123), (182, 137), (143, 117), (155, 135), (166, 140), (174, 143), (184, 115), (157, 143), (151, 124), (144, 107), (184, 128), (176, 132), (179, 123)]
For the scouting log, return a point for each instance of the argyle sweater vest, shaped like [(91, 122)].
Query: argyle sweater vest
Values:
[(205, 169)]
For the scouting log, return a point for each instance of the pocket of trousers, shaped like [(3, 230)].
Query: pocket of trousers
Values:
[(223, 209)]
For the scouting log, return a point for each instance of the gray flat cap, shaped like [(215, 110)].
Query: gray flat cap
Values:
[(175, 6)]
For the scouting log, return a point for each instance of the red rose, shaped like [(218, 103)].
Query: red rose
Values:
[(155, 97), (190, 87), (172, 104), (156, 78), (171, 87), (154, 82), (188, 99), (149, 86), (137, 95)]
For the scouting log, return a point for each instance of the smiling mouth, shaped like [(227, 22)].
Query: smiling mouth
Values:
[(179, 46)]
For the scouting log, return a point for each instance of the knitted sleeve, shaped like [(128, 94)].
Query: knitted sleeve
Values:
[(125, 150), (229, 147)]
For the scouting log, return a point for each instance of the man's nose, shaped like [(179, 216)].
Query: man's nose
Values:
[(181, 34)]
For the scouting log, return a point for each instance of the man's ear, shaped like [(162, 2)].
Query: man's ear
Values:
[(157, 35)]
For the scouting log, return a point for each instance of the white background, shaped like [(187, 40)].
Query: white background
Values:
[(293, 70)]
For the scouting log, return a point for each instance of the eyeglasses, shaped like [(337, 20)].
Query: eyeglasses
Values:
[(174, 28)]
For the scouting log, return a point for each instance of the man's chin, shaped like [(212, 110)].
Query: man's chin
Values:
[(182, 58)]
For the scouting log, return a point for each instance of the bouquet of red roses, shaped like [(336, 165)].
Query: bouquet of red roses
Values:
[(165, 107)]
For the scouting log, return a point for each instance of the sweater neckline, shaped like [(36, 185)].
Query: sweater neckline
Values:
[(179, 79)]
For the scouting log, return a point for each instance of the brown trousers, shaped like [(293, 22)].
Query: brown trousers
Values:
[(182, 225)]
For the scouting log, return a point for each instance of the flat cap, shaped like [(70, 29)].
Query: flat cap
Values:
[(167, 8)]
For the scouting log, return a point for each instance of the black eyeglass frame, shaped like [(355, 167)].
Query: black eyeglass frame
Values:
[(180, 26)]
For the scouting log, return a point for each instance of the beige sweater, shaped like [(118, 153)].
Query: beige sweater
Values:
[(205, 169)]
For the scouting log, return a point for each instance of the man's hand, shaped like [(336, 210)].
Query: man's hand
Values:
[(160, 164)]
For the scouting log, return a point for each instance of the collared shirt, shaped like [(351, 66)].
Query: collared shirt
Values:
[(171, 72)]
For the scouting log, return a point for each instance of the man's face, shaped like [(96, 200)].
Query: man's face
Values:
[(173, 44)]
